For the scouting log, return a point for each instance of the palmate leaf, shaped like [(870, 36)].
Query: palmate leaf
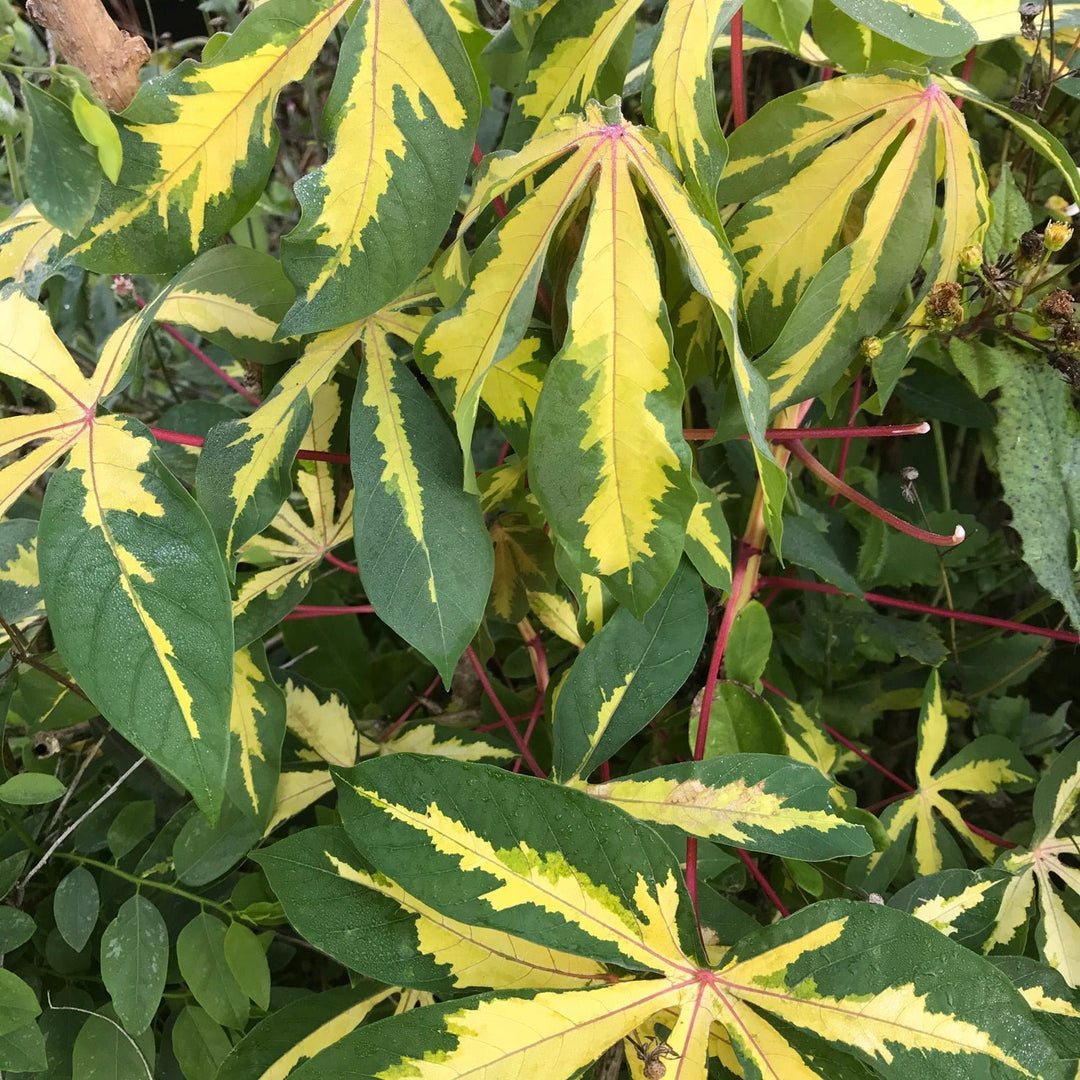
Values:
[(1058, 932), (797, 165), (759, 802), (244, 472), (298, 545), (129, 566), (607, 457), (401, 118), (471, 841), (199, 142), (984, 766)]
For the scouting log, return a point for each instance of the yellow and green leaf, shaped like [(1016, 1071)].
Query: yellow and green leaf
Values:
[(444, 740), (296, 544), (933, 27), (708, 538), (401, 118), (199, 142), (755, 801), (1044, 867), (28, 247), (524, 565), (984, 766), (569, 48), (257, 726), (371, 925), (20, 583), (816, 279), (679, 97), (301, 1029), (491, 834), (626, 674), (425, 557)]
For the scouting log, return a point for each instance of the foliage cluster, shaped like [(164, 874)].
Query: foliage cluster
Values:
[(405, 396)]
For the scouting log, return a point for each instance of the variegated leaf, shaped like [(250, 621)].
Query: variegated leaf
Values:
[(679, 97), (626, 674), (28, 248), (444, 740), (524, 565), (812, 291), (236, 297), (139, 603), (296, 544), (962, 904), (512, 387), (1042, 867), (257, 726), (299, 1030), (425, 557), (401, 118), (755, 801), (572, 43), (485, 847), (984, 766), (708, 538), (372, 925), (199, 142), (933, 27), (20, 584)]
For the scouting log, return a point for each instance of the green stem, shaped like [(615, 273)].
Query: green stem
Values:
[(20, 832), (13, 170), (942, 464), (139, 882)]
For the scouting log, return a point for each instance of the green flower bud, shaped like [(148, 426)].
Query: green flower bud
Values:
[(971, 257), (870, 348), (1056, 235)]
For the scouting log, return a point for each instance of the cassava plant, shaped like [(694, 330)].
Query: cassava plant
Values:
[(402, 397)]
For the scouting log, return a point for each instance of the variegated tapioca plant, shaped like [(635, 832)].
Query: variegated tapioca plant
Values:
[(381, 388)]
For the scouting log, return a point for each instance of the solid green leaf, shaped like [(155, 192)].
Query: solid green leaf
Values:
[(31, 789), (105, 1051), (626, 674), (134, 959), (749, 644), (247, 961), (495, 849), (199, 1044), (425, 556), (63, 174), (204, 851), (23, 1051), (1010, 219), (740, 721), (130, 568), (200, 953), (1038, 444), (75, 907), (400, 121), (133, 823), (18, 1003), (16, 928)]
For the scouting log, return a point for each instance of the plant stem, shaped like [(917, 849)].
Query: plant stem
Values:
[(924, 609), (856, 401), (875, 431), (504, 716), (942, 464), (869, 505), (738, 74)]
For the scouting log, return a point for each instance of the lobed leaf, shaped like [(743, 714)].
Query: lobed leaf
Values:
[(29, 246), (256, 727)]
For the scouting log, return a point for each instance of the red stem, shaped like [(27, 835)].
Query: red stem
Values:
[(763, 881), (504, 716), (333, 560), (876, 431), (393, 729), (965, 74), (827, 73), (869, 505), (498, 202), (316, 611), (923, 609), (856, 400), (197, 440), (195, 351), (738, 80)]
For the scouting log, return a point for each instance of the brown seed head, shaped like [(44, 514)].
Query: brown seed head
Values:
[(943, 305), (1055, 307), (1031, 246)]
